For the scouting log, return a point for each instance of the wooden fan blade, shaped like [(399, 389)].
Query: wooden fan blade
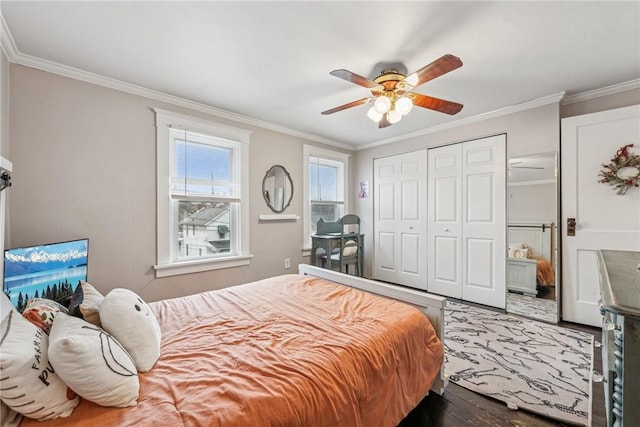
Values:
[(383, 123), (354, 78), (437, 68), (345, 106), (437, 104)]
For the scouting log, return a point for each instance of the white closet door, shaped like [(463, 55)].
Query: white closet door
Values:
[(467, 221), (444, 220), (484, 221), (400, 219)]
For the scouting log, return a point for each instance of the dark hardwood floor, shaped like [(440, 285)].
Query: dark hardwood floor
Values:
[(461, 407)]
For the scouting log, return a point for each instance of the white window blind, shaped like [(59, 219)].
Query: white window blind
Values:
[(204, 167)]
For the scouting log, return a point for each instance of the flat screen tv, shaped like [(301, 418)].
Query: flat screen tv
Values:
[(51, 271)]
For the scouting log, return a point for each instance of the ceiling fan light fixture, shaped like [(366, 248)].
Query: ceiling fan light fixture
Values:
[(374, 115), (391, 94), (394, 116), (382, 104), (403, 105)]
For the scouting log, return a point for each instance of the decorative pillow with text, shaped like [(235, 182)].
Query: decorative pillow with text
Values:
[(30, 385)]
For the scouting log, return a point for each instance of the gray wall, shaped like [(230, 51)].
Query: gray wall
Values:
[(84, 166), (4, 105), (532, 203), (603, 103)]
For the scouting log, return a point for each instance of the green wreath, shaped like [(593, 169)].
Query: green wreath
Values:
[(623, 172)]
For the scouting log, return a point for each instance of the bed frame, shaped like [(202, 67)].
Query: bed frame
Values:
[(431, 305), (540, 239)]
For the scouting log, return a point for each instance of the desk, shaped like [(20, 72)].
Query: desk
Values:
[(329, 242)]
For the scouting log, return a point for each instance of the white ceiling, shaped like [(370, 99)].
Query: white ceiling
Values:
[(270, 61)]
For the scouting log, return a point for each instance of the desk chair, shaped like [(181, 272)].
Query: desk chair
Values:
[(327, 227), (350, 245)]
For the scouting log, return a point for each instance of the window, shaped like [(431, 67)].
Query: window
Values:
[(325, 187), (202, 195), (326, 190)]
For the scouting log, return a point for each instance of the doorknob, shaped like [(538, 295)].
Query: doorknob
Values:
[(446, 230), (571, 226)]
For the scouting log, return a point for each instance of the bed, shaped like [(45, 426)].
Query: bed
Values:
[(531, 257), (313, 349)]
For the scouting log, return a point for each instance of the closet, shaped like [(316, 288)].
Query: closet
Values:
[(440, 220), (466, 220), (400, 219)]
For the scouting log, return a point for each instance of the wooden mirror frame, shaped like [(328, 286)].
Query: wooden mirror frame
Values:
[(287, 189)]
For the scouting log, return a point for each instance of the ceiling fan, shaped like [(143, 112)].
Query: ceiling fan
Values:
[(391, 94), (511, 163)]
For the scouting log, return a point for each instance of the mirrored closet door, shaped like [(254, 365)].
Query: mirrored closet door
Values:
[(532, 218)]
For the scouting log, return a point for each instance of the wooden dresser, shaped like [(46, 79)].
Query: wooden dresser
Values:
[(620, 308)]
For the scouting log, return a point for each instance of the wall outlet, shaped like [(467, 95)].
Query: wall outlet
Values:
[(287, 263)]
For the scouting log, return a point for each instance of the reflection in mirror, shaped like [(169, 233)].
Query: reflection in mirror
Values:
[(277, 188), (532, 218)]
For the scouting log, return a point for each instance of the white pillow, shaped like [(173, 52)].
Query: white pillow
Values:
[(92, 362), (91, 301), (518, 245), (9, 417), (30, 384), (520, 253), (130, 320)]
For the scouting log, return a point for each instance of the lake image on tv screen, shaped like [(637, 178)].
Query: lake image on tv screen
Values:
[(47, 271)]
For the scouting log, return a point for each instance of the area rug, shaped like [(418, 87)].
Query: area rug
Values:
[(543, 368), (536, 308)]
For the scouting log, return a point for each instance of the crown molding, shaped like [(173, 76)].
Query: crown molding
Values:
[(14, 56), (597, 93), (6, 40), (549, 99)]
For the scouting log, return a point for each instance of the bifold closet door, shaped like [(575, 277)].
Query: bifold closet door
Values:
[(484, 231), (467, 221), (400, 225), (444, 223)]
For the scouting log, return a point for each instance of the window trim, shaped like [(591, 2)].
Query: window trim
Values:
[(165, 266), (313, 151)]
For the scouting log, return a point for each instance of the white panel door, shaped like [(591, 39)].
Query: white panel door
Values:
[(444, 224), (400, 219), (467, 221), (604, 219), (484, 221)]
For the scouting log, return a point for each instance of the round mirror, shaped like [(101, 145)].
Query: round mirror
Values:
[(277, 188)]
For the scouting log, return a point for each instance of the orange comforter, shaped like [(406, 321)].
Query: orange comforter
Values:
[(287, 351), (544, 272)]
